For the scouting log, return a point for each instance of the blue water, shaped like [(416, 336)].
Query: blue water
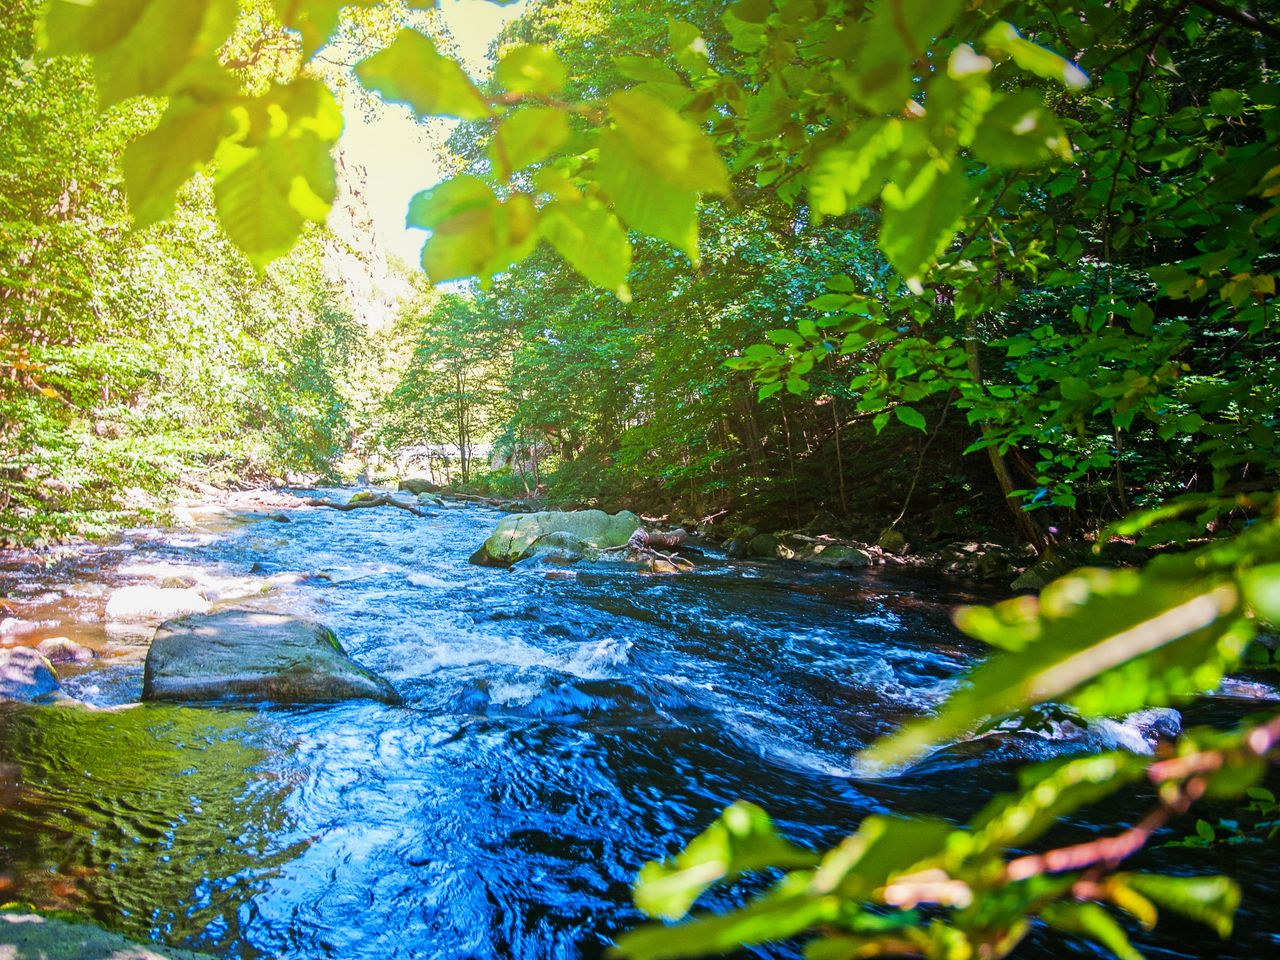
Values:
[(557, 732)]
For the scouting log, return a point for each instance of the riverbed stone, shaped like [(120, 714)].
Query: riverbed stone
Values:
[(839, 556), (892, 541), (26, 675), (64, 650), (249, 655), (514, 537), (418, 485), (762, 545), (560, 546), (146, 602), (33, 936)]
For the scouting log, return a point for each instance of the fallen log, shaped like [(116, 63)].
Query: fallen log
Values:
[(378, 501), (642, 544), (642, 539)]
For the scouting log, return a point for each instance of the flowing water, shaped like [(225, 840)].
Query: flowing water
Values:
[(559, 729)]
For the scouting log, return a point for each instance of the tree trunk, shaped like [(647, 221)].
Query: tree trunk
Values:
[(1027, 527)]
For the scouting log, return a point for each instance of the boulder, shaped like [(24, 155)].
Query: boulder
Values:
[(64, 650), (763, 545), (892, 541), (1038, 576), (26, 675), (735, 548), (28, 936), (839, 556), (147, 602), (558, 547), (1051, 565), (247, 655), (418, 486), (514, 537)]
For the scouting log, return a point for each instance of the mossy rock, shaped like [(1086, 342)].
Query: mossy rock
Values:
[(36, 936), (763, 545), (515, 536)]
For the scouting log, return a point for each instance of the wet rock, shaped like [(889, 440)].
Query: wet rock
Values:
[(428, 499), (1040, 574), (838, 556), (418, 485), (28, 936), (148, 602), (515, 536), (26, 675), (892, 541), (246, 655), (735, 548), (994, 564), (559, 547), (64, 650), (762, 545)]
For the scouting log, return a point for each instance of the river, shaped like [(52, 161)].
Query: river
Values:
[(557, 732)]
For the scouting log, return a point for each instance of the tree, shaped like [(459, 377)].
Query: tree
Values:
[(451, 379)]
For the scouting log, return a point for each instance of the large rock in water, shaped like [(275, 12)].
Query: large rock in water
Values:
[(418, 485), (514, 537), (247, 655), (26, 675), (34, 936)]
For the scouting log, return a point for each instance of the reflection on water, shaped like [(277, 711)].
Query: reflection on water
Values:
[(556, 734), (123, 814)]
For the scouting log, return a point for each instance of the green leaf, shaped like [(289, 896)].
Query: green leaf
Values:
[(1228, 103), (644, 200), (413, 72), (1105, 642), (481, 241), (687, 46), (1003, 38), (882, 847), (844, 177), (1019, 131), (590, 238), (282, 174), (1261, 587), (1050, 791), (527, 136), (531, 68), (830, 301), (788, 338), (742, 840), (160, 41), (647, 70), (1211, 900), (315, 20), (430, 208), (74, 26), (1093, 922), (784, 911), (158, 163), (910, 416), (654, 165), (895, 39), (919, 225), (669, 145)]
